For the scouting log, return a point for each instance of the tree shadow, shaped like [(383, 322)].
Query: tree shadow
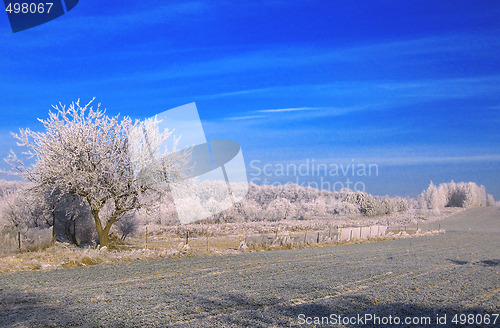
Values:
[(486, 263), (237, 310), (493, 262), (26, 309), (457, 262)]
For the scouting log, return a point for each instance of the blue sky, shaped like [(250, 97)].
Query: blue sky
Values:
[(411, 86)]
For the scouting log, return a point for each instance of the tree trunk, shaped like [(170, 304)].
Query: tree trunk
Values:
[(54, 237), (105, 232), (103, 235)]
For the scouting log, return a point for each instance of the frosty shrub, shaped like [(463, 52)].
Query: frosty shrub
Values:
[(128, 225), (366, 202), (32, 239), (462, 194), (36, 239), (490, 201)]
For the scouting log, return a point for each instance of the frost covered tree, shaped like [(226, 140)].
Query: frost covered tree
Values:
[(280, 209), (89, 154), (462, 194), (436, 197), (490, 200), (128, 225), (366, 202), (22, 208)]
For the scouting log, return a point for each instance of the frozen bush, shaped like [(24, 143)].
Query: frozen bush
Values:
[(36, 239), (453, 194), (128, 225), (490, 201), (367, 204)]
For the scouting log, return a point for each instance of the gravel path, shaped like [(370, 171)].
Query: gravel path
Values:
[(453, 273)]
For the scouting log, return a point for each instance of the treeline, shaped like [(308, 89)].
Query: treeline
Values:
[(274, 203)]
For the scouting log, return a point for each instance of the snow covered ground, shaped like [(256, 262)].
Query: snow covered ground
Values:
[(449, 274)]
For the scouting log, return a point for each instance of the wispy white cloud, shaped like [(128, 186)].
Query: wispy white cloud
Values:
[(422, 88), (295, 56), (291, 114), (234, 93), (418, 160), (234, 61), (280, 110), (248, 117), (375, 95), (400, 161)]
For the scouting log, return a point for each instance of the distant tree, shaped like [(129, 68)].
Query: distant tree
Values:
[(103, 160), (22, 208), (128, 225), (435, 197), (251, 211), (366, 202), (280, 209), (490, 200), (462, 194)]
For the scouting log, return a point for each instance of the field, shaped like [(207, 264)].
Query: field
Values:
[(222, 238), (453, 273)]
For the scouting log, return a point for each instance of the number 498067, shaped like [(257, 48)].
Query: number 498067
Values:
[(31, 8)]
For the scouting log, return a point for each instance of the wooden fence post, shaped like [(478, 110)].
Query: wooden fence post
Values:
[(207, 240)]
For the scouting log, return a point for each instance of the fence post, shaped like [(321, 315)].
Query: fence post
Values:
[(146, 236), (207, 240), (19, 239), (187, 238)]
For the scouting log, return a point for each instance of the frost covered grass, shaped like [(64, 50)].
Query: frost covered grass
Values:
[(222, 238), (410, 218), (62, 255)]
